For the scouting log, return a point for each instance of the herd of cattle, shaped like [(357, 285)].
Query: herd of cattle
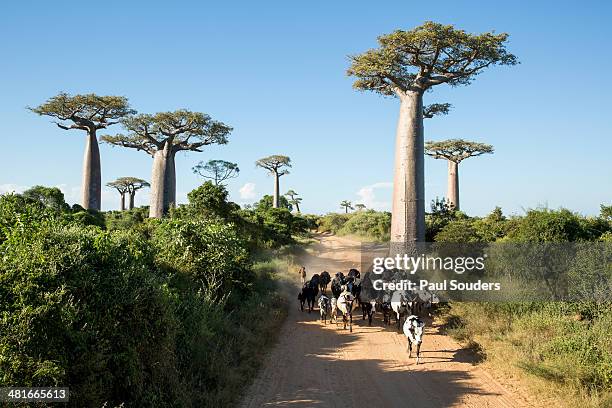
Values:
[(348, 295)]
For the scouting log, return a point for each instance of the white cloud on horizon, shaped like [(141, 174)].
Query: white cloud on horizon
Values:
[(247, 191), (367, 196)]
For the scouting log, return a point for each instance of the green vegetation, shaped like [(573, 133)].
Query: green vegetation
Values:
[(126, 309), (563, 348)]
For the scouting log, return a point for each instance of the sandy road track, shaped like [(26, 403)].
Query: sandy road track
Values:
[(314, 365)]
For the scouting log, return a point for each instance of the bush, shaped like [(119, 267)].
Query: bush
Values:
[(71, 299), (211, 254), (333, 222), (368, 224)]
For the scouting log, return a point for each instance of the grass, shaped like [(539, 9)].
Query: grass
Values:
[(564, 358), (255, 328)]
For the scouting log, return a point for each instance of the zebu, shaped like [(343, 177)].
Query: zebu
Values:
[(347, 304), (334, 310), (308, 294), (324, 281), (368, 309), (400, 303), (413, 329), (336, 284), (324, 308)]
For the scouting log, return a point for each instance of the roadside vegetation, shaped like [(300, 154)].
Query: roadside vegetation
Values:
[(143, 312)]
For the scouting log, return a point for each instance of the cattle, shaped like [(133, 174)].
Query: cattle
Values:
[(354, 273), (400, 305), (336, 284), (413, 329), (347, 304), (325, 279), (308, 295), (333, 315), (368, 309), (324, 308), (314, 283), (387, 312)]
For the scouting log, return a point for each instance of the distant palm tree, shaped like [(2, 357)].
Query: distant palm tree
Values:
[(346, 205)]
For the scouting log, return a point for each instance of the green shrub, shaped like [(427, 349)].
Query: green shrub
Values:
[(332, 222), (368, 224), (211, 254), (71, 300)]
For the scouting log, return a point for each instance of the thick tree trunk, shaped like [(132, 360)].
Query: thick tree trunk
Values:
[(276, 198), (132, 194), (453, 184), (122, 201), (297, 207), (163, 182), (170, 192), (408, 211), (91, 186)]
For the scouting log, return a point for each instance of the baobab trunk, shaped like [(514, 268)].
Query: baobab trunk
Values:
[(163, 182), (297, 207), (170, 191), (453, 184), (122, 201), (91, 186), (132, 194), (408, 210), (276, 198)]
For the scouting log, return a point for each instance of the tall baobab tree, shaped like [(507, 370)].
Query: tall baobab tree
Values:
[(217, 170), (406, 65), (455, 151), (277, 166), (162, 135), (90, 113), (121, 188), (294, 200), (346, 205)]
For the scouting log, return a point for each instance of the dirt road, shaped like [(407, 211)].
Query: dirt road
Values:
[(314, 365)]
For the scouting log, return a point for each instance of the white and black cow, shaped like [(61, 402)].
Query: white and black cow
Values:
[(324, 308), (414, 329)]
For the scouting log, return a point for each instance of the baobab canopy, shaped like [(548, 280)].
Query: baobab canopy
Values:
[(85, 112), (456, 150), (182, 129), (425, 56)]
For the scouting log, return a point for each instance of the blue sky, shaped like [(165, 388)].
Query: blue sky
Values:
[(275, 71)]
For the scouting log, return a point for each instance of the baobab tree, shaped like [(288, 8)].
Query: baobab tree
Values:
[(294, 200), (346, 205), (162, 135), (217, 170), (406, 65), (128, 185), (360, 207), (455, 151), (90, 113), (121, 189), (277, 167)]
